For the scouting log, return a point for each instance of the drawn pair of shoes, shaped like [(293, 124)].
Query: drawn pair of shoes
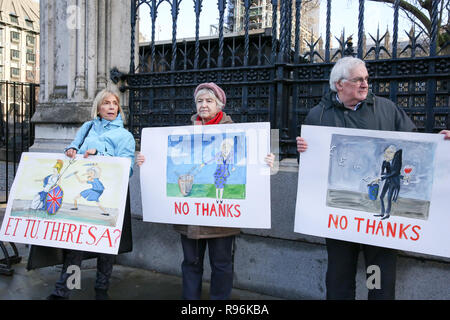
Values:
[(74, 208), (383, 216), (105, 214)]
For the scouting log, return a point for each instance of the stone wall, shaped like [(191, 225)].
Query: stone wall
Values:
[(278, 261)]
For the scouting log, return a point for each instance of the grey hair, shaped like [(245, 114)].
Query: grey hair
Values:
[(211, 94), (99, 99), (341, 70)]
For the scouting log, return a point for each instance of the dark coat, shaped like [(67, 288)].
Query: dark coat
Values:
[(374, 113), (391, 173)]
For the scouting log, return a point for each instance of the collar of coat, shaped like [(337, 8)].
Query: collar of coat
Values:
[(330, 101), (118, 122), (225, 119)]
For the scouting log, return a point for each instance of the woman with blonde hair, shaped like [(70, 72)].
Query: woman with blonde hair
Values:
[(104, 135)]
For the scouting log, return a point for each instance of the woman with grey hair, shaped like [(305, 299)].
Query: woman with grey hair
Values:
[(210, 100), (104, 135)]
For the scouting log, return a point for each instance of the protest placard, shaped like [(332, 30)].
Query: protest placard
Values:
[(68, 203), (382, 188), (211, 175)]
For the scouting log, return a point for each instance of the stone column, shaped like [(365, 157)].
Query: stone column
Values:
[(81, 41)]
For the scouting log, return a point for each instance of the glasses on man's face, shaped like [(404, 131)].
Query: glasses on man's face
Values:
[(359, 80)]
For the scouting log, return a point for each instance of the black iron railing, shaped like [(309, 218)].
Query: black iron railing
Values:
[(17, 105), (266, 76)]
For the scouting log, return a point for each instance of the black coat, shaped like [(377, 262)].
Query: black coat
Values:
[(391, 173), (375, 113)]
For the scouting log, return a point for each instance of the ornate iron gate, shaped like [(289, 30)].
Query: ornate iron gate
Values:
[(265, 76), (17, 106)]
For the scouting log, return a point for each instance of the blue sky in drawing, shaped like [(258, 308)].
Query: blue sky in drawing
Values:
[(186, 153)]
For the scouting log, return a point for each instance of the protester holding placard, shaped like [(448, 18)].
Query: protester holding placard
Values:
[(210, 100), (350, 104), (105, 135)]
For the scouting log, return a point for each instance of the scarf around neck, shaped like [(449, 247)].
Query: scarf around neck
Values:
[(215, 120)]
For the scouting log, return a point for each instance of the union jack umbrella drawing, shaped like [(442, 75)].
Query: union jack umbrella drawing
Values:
[(53, 201)]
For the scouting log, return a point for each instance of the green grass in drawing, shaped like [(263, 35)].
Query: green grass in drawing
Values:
[(231, 191)]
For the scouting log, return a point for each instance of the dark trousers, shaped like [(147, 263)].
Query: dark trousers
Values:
[(342, 267), (105, 264), (221, 261)]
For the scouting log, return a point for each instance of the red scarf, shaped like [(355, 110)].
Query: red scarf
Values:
[(215, 120)]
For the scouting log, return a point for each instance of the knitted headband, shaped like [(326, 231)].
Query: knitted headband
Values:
[(219, 93)]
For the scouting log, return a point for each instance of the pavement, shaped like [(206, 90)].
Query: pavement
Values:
[(126, 284)]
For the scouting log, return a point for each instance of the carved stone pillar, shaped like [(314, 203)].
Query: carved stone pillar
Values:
[(81, 41)]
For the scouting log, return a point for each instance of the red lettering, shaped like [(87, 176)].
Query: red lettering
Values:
[(341, 222), (177, 208), (229, 210), (197, 206), (222, 211), (15, 229), (416, 232), (380, 227), (17, 224), (108, 236), (402, 231), (205, 209), (46, 228), (359, 222), (34, 236), (391, 230), (70, 232), (80, 233), (63, 231), (370, 226), (213, 208), (343, 226), (55, 230), (181, 208), (332, 219), (92, 235), (28, 224), (236, 207)]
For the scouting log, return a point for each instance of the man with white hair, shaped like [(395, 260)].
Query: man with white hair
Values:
[(350, 104)]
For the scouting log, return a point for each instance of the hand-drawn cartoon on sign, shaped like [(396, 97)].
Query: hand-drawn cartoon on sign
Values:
[(212, 175), (375, 175), (382, 188), (220, 174), (51, 205)]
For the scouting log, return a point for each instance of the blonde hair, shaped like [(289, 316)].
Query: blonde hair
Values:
[(211, 94), (58, 165), (102, 96)]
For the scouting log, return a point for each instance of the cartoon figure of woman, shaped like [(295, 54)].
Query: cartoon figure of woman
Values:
[(224, 161), (94, 193), (390, 173), (49, 182)]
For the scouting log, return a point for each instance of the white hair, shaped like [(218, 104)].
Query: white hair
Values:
[(95, 170), (211, 94), (341, 70)]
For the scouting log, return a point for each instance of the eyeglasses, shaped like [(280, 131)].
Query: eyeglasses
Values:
[(359, 80)]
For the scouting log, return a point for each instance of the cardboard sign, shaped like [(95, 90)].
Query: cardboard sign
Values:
[(388, 189), (211, 175), (68, 203)]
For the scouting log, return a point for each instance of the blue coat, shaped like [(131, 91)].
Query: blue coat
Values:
[(109, 138)]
